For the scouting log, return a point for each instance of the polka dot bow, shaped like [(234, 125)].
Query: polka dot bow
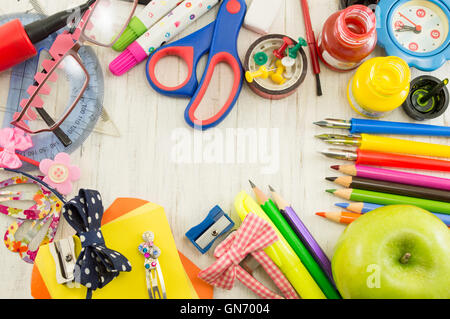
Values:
[(96, 265)]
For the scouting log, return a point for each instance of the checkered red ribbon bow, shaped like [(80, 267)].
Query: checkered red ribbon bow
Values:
[(252, 237)]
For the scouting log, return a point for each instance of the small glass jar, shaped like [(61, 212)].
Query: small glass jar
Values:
[(347, 38), (379, 86)]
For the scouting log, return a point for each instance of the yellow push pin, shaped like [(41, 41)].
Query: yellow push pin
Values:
[(277, 77), (261, 73)]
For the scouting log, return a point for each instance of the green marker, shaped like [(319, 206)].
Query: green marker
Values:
[(143, 21), (308, 261)]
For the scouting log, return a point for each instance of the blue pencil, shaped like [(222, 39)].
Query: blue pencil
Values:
[(360, 208), (363, 208)]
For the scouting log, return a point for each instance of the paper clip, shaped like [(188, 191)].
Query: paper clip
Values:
[(212, 227), (153, 271), (63, 252)]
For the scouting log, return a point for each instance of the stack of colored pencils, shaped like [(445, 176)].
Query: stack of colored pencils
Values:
[(373, 187), (286, 220)]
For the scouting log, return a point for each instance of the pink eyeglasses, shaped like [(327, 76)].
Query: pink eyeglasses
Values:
[(64, 79)]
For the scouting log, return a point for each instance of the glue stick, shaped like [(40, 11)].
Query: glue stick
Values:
[(143, 21), (172, 24)]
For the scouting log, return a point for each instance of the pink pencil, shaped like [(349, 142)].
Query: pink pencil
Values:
[(396, 176)]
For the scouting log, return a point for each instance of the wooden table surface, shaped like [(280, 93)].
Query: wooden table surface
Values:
[(140, 163)]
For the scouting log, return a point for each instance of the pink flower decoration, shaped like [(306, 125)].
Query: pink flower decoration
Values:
[(59, 173), (12, 139)]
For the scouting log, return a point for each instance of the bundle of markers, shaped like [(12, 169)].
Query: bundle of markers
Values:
[(372, 187)]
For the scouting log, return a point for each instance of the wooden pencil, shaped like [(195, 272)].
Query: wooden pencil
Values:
[(340, 217), (360, 195), (391, 188), (303, 233)]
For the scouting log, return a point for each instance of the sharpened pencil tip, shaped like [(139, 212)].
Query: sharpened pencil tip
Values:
[(331, 191), (331, 179), (271, 189), (251, 184), (322, 214), (335, 167), (342, 205)]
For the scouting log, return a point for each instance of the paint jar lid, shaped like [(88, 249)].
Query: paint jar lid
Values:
[(433, 107)]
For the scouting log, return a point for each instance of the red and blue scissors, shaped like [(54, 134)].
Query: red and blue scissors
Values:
[(219, 38)]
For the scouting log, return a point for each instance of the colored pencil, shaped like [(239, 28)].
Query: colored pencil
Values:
[(363, 208), (340, 217), (396, 176), (303, 233), (391, 188), (359, 195), (308, 261), (358, 207)]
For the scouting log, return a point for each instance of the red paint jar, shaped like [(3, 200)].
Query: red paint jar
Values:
[(347, 38)]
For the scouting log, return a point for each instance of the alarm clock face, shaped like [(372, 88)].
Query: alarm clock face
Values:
[(419, 26)]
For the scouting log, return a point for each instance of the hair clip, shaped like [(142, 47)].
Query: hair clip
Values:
[(44, 214), (153, 271)]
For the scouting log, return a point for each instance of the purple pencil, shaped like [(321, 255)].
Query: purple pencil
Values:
[(303, 233), (397, 176)]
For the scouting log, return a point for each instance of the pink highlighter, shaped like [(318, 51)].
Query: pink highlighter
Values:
[(163, 31)]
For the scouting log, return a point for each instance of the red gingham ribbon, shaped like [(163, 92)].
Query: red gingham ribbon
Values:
[(252, 237)]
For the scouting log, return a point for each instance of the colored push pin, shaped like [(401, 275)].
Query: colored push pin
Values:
[(277, 77), (288, 63), (260, 58), (293, 51), (279, 54), (261, 73)]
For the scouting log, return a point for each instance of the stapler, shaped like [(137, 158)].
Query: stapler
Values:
[(216, 224), (63, 252)]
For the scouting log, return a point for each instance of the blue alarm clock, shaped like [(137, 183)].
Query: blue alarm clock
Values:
[(416, 31)]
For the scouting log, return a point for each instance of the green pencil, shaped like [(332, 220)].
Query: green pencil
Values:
[(359, 195), (308, 261)]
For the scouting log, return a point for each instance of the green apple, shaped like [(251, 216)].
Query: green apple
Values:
[(394, 252)]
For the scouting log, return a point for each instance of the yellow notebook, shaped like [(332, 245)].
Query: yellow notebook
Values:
[(124, 235)]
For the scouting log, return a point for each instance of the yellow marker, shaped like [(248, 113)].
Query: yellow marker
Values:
[(379, 86), (281, 253), (277, 77), (261, 73)]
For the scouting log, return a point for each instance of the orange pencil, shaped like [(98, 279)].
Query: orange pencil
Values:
[(340, 217)]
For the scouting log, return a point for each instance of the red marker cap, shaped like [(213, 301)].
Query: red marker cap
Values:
[(15, 46)]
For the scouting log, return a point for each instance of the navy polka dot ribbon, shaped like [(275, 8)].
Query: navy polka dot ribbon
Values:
[(96, 265)]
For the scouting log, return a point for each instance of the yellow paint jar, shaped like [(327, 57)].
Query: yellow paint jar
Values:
[(379, 86)]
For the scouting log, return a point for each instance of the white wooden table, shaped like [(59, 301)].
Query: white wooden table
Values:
[(139, 163)]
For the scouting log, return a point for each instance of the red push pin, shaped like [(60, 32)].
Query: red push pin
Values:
[(279, 54)]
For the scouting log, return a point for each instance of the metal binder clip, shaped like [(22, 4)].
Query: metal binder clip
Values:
[(63, 252), (155, 280), (212, 227)]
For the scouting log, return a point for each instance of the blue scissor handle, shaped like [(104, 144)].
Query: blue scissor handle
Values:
[(190, 48), (385, 127), (223, 49)]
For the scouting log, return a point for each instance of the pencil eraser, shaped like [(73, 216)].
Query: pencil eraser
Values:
[(261, 15)]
